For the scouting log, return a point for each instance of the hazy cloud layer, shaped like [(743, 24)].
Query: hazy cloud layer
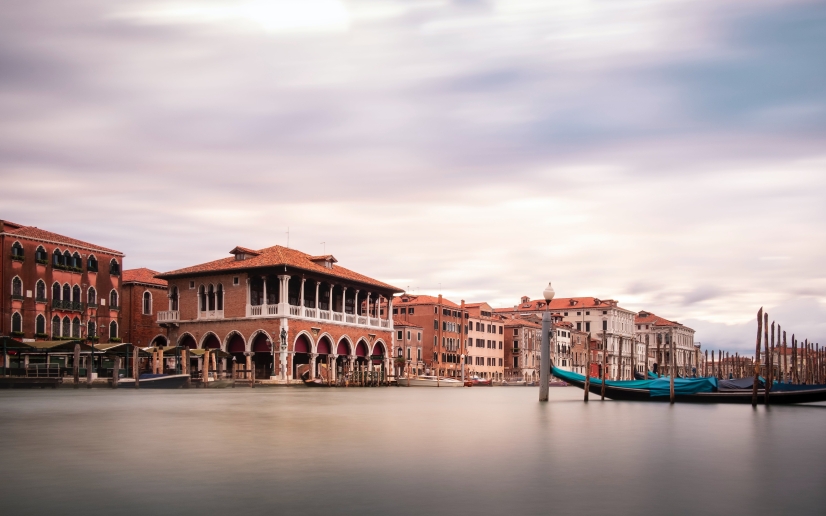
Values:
[(666, 154)]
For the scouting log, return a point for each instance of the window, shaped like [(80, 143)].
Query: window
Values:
[(408, 334), (16, 287), (211, 298), (76, 328), (77, 261), (57, 258), (113, 299), (66, 327), (90, 329), (399, 334), (515, 332), (404, 311), (515, 344), (400, 353), (40, 255), (409, 311), (500, 329), (500, 362), (587, 326), (604, 325), (605, 312), (40, 291), (408, 353), (92, 263), (191, 285), (587, 313), (202, 298), (435, 324), (40, 325), (92, 296), (17, 250), (55, 327), (56, 291), (435, 310), (114, 268), (419, 354), (579, 326), (236, 281), (515, 362), (113, 330), (147, 303), (173, 298), (76, 294), (16, 323), (219, 297), (420, 336), (67, 292)]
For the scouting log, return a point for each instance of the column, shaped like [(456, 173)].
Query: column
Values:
[(344, 300), (390, 310), (301, 298), (368, 307), (317, 287), (264, 302), (248, 357), (313, 357), (283, 295), (330, 302), (356, 304), (334, 367)]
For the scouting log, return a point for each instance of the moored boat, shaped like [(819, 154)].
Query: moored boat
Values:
[(429, 381), (481, 382), (156, 381)]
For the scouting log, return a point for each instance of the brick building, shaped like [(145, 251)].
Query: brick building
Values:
[(485, 342), (284, 306), (409, 338), (56, 287), (444, 325), (522, 336), (144, 296)]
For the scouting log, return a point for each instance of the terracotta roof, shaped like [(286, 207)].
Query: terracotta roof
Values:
[(42, 234), (142, 275), (243, 250), (422, 300), (562, 303), (277, 256), (649, 318), (520, 321), (399, 322)]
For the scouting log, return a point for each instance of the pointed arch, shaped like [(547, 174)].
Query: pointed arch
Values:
[(256, 335), (17, 286), (303, 343), (76, 328), (362, 349), (67, 292), (186, 340), (324, 345), (159, 341), (40, 325), (260, 343), (55, 326), (113, 330), (16, 322), (66, 327), (113, 299), (210, 341), (235, 343), (344, 346), (92, 296), (379, 348), (17, 249), (55, 291), (40, 254), (92, 263), (147, 303), (40, 290)]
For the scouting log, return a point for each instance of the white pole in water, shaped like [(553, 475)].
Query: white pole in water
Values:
[(545, 358)]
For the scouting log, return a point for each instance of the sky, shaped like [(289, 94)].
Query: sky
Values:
[(670, 154)]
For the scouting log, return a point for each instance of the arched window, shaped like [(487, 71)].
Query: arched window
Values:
[(114, 268), (40, 325), (16, 250), (16, 323), (55, 327), (91, 331), (56, 291), (202, 298), (92, 263), (173, 298), (113, 299), (67, 292), (211, 298), (57, 258), (113, 330), (219, 297), (40, 255), (16, 287), (92, 296), (77, 261), (76, 328), (76, 294), (401, 353), (67, 258), (147, 303), (40, 291), (66, 326)]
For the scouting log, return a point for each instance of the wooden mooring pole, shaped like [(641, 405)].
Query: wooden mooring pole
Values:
[(76, 367), (604, 364), (769, 351), (587, 367), (757, 358)]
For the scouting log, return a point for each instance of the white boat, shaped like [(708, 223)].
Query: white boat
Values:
[(429, 381), (156, 381)]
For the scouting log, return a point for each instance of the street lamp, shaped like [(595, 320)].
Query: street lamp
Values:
[(545, 358)]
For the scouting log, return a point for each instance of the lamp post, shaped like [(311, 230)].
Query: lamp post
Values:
[(545, 357)]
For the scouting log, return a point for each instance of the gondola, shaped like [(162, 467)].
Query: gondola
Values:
[(694, 390), (156, 381), (315, 382)]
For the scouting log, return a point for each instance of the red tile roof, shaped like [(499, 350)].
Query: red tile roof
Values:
[(399, 322), (42, 234), (515, 320), (142, 275), (422, 300), (277, 256), (649, 318), (562, 303)]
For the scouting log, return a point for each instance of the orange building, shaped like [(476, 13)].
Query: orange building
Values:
[(485, 342)]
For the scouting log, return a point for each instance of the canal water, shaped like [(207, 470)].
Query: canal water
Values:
[(402, 451)]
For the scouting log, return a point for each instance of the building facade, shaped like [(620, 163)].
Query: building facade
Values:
[(522, 336), (276, 309), (409, 352), (658, 333), (485, 342), (57, 287), (144, 296), (443, 324), (601, 318)]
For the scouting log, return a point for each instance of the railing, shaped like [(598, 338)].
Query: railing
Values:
[(18, 297), (338, 317), (77, 306), (362, 320), (272, 309), (350, 318), (310, 312), (295, 310), (374, 322), (169, 315), (385, 323), (211, 314), (43, 370), (324, 314), (255, 310)]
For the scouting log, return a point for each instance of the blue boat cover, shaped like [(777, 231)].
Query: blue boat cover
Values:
[(787, 387), (147, 376), (656, 387)]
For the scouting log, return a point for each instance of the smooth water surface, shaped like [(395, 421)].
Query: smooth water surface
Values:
[(402, 451)]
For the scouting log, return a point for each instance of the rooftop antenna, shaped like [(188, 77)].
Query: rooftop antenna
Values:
[(288, 237), (325, 247)]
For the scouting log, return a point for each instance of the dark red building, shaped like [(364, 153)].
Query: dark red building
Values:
[(144, 296)]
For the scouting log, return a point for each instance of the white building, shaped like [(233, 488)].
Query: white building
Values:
[(654, 330)]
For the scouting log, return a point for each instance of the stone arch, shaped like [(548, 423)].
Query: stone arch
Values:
[(379, 345), (210, 341), (159, 340), (260, 342), (324, 345), (306, 347), (362, 349), (235, 343), (186, 340), (345, 344)]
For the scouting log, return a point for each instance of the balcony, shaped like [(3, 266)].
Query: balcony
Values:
[(311, 314), (18, 257), (17, 297), (211, 314), (169, 316)]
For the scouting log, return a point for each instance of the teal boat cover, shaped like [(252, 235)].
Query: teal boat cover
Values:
[(656, 387)]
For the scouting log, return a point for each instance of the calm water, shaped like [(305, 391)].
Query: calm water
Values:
[(402, 451)]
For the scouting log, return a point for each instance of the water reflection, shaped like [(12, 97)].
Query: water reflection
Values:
[(401, 451)]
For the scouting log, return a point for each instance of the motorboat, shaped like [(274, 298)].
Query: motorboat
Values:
[(429, 381), (514, 382), (481, 382), (696, 390), (156, 381)]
